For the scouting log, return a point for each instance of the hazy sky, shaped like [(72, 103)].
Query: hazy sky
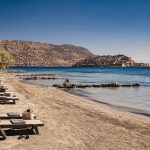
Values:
[(103, 26)]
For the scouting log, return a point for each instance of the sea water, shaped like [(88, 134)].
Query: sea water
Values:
[(135, 100)]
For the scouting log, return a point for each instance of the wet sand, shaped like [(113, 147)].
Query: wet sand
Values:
[(74, 123)]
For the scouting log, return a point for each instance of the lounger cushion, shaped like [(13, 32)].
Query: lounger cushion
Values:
[(13, 114), (17, 121)]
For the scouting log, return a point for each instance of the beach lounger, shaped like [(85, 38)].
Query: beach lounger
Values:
[(5, 99), (11, 115), (19, 124), (2, 93), (8, 94), (8, 97), (3, 89)]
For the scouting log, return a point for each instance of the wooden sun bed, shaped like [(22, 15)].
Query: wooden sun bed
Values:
[(7, 124), (12, 116), (6, 94), (3, 86), (5, 99), (3, 90)]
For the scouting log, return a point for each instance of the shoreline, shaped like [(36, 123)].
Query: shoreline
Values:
[(117, 107), (72, 122)]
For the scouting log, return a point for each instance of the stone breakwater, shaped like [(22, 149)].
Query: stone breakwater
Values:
[(37, 74), (40, 78), (111, 85)]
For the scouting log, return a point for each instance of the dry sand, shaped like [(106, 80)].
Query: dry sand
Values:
[(74, 123)]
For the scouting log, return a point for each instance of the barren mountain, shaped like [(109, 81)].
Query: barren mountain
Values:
[(27, 53), (109, 60)]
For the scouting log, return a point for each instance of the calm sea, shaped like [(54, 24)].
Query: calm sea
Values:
[(135, 100)]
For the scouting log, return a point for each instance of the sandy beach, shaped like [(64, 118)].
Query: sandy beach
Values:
[(74, 123)]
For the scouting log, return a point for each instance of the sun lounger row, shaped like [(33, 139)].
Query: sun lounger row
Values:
[(7, 97), (13, 120)]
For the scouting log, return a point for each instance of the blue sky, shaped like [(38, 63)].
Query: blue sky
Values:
[(103, 26)]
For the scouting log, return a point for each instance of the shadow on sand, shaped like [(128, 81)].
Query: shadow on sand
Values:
[(21, 133)]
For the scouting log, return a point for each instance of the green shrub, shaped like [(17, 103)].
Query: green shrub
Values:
[(6, 59)]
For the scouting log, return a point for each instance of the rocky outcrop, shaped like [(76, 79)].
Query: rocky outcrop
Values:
[(108, 60), (27, 53)]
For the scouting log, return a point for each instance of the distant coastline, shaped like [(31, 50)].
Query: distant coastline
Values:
[(28, 53)]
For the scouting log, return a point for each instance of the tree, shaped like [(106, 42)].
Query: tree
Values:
[(6, 59)]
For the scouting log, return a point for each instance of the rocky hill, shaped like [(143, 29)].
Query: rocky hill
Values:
[(27, 53), (108, 60)]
